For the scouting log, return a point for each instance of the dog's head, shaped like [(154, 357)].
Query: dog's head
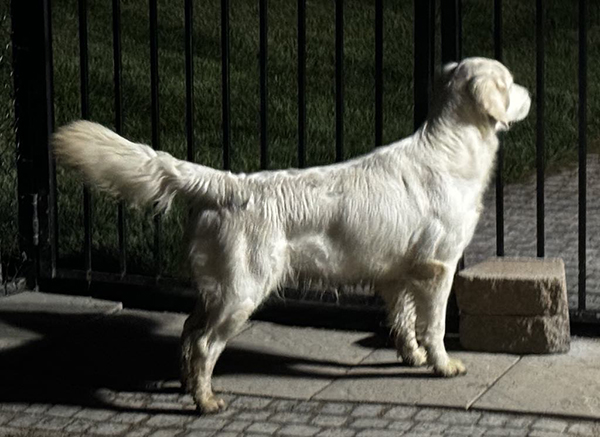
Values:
[(483, 91)]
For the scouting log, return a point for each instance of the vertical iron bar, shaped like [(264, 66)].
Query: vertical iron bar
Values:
[(301, 83), (117, 66), (422, 60), (461, 262), (582, 153), (432, 8), (339, 80), (459, 24), (51, 214), (498, 30), (85, 114), (225, 84), (264, 145), (500, 161), (155, 120), (84, 59), (450, 30), (378, 73), (540, 144), (34, 118), (189, 79), (189, 82)]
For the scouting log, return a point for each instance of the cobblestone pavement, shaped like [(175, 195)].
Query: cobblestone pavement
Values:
[(561, 226), (142, 414)]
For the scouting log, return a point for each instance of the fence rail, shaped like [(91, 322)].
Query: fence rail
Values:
[(33, 67)]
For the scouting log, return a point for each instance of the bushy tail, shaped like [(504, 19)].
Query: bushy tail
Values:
[(135, 172)]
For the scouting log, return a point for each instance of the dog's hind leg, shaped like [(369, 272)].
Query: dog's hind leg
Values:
[(432, 282), (205, 335), (402, 321)]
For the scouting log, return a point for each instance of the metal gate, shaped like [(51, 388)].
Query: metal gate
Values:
[(33, 73)]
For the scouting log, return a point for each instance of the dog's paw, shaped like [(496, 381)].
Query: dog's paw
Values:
[(211, 405), (452, 368), (415, 357)]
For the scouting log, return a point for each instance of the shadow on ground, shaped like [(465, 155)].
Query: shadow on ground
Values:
[(76, 356)]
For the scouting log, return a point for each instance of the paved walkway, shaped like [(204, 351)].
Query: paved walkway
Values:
[(80, 366), (159, 415), (561, 221)]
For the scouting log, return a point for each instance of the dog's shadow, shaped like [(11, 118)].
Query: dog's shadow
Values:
[(70, 358)]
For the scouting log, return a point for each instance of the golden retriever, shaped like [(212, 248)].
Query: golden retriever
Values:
[(398, 218)]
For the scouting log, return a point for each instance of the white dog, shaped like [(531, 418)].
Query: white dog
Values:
[(399, 218)]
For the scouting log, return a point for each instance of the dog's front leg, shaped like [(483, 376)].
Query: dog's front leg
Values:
[(432, 282)]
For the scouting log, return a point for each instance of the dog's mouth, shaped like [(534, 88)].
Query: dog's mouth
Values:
[(520, 103)]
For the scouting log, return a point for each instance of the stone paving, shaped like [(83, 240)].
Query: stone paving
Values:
[(72, 366), (561, 226), (143, 414)]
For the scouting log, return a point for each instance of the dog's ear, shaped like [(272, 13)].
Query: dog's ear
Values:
[(491, 95), (449, 68)]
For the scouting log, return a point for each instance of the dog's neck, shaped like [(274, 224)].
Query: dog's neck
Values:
[(470, 148)]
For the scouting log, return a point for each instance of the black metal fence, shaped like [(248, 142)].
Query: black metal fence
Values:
[(33, 71), (10, 261)]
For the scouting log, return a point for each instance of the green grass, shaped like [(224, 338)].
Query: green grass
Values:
[(519, 55)]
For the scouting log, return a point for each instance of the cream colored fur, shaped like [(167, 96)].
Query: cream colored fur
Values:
[(398, 218)]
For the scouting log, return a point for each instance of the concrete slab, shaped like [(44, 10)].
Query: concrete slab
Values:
[(291, 362), (130, 349), (32, 301), (13, 337), (138, 324), (381, 378), (31, 316), (551, 384)]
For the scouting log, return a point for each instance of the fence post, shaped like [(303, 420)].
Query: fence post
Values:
[(423, 32), (500, 158), (32, 66), (451, 30)]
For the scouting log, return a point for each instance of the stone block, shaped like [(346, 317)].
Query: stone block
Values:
[(514, 305), (513, 287), (515, 334)]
